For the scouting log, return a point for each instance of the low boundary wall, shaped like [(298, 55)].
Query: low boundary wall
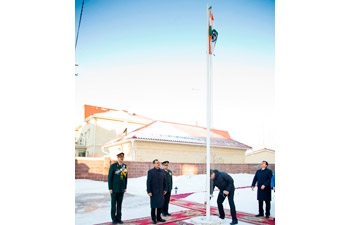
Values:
[(97, 168)]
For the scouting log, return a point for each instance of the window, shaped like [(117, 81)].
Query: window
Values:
[(81, 139)]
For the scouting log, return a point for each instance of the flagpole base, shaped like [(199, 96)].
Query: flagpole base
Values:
[(202, 220)]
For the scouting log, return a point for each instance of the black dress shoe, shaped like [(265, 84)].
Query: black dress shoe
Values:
[(222, 217), (154, 222), (114, 222), (119, 221), (267, 217), (234, 222), (161, 220), (258, 215), (168, 214)]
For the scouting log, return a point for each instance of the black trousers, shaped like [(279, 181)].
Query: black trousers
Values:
[(268, 207), (221, 199), (153, 213), (116, 206), (165, 209)]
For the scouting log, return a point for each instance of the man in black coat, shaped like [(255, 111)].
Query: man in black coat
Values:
[(156, 189), (169, 179), (263, 178), (117, 182), (225, 183)]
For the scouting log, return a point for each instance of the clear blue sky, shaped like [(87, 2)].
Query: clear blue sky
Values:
[(150, 57)]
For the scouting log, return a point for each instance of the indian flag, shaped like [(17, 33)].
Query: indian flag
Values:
[(213, 34)]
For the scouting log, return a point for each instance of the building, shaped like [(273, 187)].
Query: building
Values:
[(102, 125), (177, 143), (257, 156)]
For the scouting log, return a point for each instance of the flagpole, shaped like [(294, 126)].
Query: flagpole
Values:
[(81, 14), (209, 115)]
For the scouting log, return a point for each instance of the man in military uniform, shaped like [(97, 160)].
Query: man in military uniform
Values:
[(117, 182), (169, 179)]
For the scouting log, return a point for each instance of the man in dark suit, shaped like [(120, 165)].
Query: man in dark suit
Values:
[(117, 182), (225, 183), (263, 178), (156, 189), (169, 179)]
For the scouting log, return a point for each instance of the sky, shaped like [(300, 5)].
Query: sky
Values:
[(92, 203), (149, 57)]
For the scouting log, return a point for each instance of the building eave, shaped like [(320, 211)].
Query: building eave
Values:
[(173, 142)]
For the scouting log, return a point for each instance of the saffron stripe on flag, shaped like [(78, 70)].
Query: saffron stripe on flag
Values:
[(213, 34)]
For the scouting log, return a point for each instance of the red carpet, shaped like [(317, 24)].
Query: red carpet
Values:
[(177, 216), (195, 209), (178, 196), (245, 217)]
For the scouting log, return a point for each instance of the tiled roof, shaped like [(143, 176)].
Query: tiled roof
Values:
[(123, 115), (90, 110), (162, 131)]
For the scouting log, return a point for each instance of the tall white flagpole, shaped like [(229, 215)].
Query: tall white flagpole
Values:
[(209, 115)]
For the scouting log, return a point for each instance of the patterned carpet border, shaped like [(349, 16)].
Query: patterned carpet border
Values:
[(175, 218), (195, 209), (241, 216)]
